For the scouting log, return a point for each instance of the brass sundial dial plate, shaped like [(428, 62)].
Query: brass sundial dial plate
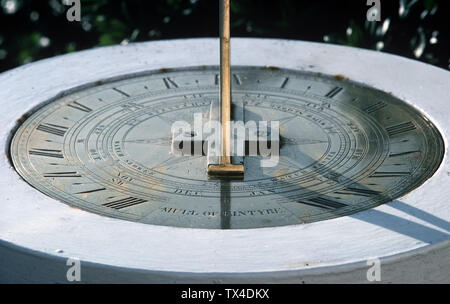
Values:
[(344, 148)]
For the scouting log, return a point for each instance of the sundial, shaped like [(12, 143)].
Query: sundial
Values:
[(318, 155)]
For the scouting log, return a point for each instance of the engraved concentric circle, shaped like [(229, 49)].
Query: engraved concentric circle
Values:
[(344, 148)]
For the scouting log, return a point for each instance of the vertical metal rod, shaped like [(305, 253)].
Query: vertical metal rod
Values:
[(225, 169), (225, 80)]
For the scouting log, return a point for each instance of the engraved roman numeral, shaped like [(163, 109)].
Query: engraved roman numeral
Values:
[(47, 153), (375, 107), (125, 203), (401, 128), (334, 92), (358, 192), (62, 174), (79, 106), (121, 92), (323, 203), (237, 79), (52, 129), (390, 174), (170, 84)]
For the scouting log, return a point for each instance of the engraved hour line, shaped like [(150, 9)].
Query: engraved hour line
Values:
[(173, 160), (238, 79), (62, 174), (170, 83), (91, 191), (375, 107), (52, 129), (358, 192), (285, 82), (403, 153), (300, 141), (121, 92), (401, 128), (125, 203), (390, 174), (162, 141), (47, 153), (323, 203), (334, 92), (79, 106)]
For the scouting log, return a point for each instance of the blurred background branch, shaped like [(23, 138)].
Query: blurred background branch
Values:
[(31, 30)]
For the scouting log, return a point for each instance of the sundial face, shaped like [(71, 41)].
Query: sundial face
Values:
[(345, 148)]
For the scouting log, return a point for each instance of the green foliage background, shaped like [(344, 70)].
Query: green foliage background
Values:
[(36, 29)]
